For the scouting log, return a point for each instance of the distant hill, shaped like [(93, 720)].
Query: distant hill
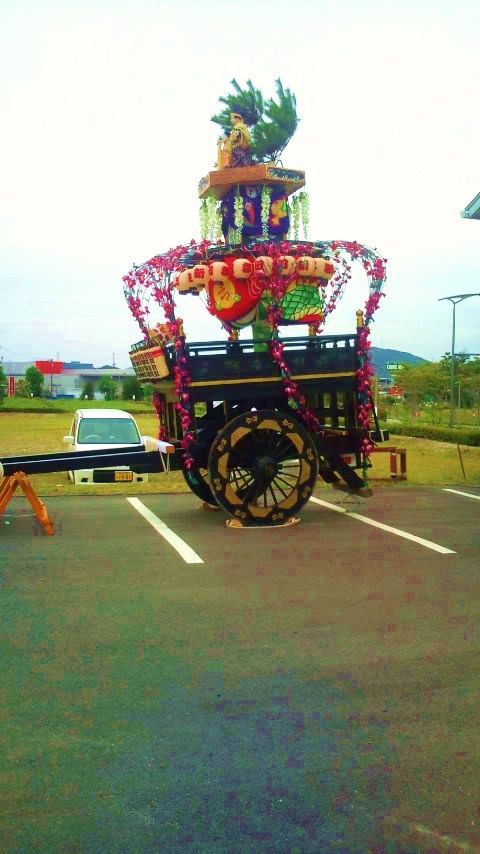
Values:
[(383, 356)]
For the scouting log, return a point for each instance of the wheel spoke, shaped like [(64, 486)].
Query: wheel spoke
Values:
[(275, 499), (251, 494), (242, 456), (283, 448), (279, 488), (263, 443), (289, 454), (274, 441), (289, 471), (241, 484), (240, 477), (292, 474), (290, 465)]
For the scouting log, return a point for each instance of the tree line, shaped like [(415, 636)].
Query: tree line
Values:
[(429, 382), (33, 385)]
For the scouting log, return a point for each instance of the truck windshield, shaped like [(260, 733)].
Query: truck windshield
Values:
[(117, 431)]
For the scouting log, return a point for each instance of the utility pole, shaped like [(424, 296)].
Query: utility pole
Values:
[(456, 298)]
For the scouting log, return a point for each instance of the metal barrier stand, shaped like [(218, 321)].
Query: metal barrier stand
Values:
[(8, 486)]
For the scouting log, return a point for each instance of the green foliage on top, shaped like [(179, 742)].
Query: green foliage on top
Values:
[(273, 121), (271, 137), (248, 102)]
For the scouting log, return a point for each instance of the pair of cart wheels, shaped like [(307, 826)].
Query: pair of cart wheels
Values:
[(262, 468)]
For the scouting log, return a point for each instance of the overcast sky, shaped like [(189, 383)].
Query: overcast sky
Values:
[(105, 112)]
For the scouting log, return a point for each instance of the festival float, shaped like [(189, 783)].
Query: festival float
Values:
[(256, 418)]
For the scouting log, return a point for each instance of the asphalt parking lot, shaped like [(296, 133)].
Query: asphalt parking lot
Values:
[(174, 685)]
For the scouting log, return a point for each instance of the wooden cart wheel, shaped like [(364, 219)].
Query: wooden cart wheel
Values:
[(197, 479), (263, 466)]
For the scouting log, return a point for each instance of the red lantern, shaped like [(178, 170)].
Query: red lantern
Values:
[(324, 269), (200, 275), (242, 268), (306, 266), (286, 265), (184, 281), (263, 266), (218, 271)]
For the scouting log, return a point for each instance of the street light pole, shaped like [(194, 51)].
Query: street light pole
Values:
[(456, 298)]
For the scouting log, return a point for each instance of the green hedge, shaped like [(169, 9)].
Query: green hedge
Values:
[(456, 435), (69, 404)]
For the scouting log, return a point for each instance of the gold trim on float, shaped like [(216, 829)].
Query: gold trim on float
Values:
[(296, 440), (289, 501), (222, 465), (259, 512), (238, 434), (305, 472), (232, 497), (269, 379), (270, 424)]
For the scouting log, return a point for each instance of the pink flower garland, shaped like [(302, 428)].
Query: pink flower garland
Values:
[(155, 279), (157, 403), (156, 276)]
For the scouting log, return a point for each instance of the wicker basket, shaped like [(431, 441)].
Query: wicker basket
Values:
[(149, 364)]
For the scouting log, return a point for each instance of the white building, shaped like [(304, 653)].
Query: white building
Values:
[(66, 379)]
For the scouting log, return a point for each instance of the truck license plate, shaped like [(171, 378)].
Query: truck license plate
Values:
[(123, 475)]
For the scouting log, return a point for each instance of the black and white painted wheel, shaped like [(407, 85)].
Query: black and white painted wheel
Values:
[(262, 467)]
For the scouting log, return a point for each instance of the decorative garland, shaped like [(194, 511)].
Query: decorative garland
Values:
[(265, 210), (156, 278), (304, 202), (210, 220), (157, 403), (300, 209), (238, 211)]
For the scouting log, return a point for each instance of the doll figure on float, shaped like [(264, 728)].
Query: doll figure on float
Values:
[(235, 149)]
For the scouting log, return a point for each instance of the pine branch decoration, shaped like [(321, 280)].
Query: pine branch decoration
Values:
[(272, 135), (248, 102), (274, 121)]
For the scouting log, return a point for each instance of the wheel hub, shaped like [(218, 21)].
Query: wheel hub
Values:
[(266, 469)]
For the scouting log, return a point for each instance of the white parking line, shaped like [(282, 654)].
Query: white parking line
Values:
[(466, 494), (161, 528), (427, 543)]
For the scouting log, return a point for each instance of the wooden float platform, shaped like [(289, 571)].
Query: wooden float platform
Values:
[(217, 184)]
